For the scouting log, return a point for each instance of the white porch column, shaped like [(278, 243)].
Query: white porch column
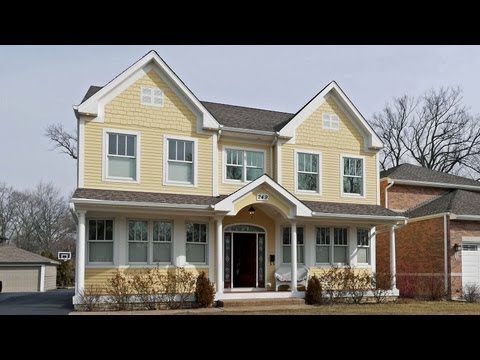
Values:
[(393, 265), (293, 285), (219, 264), (80, 255)]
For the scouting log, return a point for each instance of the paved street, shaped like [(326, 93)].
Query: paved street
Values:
[(54, 302)]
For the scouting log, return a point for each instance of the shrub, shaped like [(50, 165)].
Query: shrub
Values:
[(90, 297), (471, 293), (177, 287), (355, 284), (381, 285), (204, 291), (313, 294), (119, 289), (430, 288), (330, 283), (146, 285)]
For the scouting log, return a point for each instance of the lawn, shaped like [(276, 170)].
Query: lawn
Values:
[(403, 307)]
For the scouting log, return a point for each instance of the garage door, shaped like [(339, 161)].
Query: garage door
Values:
[(470, 263), (20, 279)]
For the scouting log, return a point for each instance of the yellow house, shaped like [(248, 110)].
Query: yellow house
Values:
[(165, 179)]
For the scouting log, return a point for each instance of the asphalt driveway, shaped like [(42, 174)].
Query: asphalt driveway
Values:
[(54, 302)]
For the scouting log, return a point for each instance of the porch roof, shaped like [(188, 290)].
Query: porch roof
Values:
[(317, 208)]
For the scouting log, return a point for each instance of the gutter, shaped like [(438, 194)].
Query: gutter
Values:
[(465, 217), (366, 217), (390, 184), (438, 185), (250, 131), (71, 207), (274, 142), (141, 204)]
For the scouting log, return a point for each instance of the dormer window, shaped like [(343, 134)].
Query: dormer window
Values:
[(151, 96)]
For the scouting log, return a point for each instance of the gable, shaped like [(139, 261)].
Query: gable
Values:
[(95, 104), (127, 109), (311, 132), (370, 139)]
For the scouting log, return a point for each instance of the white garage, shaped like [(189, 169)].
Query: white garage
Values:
[(23, 271), (470, 263)]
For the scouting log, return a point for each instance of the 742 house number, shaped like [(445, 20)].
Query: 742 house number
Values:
[(262, 197)]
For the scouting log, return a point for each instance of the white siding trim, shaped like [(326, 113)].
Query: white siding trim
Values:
[(105, 177), (279, 162), (215, 164), (377, 187), (42, 278), (81, 152), (320, 172), (364, 182), (167, 182)]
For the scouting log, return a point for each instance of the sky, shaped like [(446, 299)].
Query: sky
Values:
[(40, 84)]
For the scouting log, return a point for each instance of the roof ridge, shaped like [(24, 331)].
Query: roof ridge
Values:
[(246, 107)]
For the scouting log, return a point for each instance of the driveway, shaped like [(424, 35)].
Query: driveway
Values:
[(53, 302)]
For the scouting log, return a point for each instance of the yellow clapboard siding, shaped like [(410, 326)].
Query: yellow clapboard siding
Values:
[(310, 135), (125, 112)]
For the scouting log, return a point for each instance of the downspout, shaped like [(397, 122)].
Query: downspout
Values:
[(445, 256), (71, 206), (274, 142), (390, 184), (219, 132)]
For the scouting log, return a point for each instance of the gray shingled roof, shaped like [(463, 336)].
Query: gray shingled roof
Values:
[(246, 117), (234, 116), (12, 254), (419, 173), (459, 202), (353, 209), (147, 197), (181, 199)]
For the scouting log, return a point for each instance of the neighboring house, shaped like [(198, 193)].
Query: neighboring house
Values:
[(166, 179), (23, 271), (441, 241)]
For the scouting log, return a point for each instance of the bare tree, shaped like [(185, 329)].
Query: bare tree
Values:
[(7, 212), (62, 140), (42, 220), (435, 131), (392, 127)]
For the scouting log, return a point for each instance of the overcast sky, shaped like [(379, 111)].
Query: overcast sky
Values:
[(39, 85)]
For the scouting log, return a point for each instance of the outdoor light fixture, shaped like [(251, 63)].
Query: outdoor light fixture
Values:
[(457, 247), (251, 211)]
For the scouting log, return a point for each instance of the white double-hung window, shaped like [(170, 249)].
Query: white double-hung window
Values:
[(121, 159), (180, 164), (100, 241), (244, 165), (308, 171), (353, 175)]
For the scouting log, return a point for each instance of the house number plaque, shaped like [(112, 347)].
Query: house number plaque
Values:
[(262, 197)]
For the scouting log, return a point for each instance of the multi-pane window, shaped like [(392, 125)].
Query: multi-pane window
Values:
[(331, 251), (100, 241), (330, 121), (323, 245), (363, 246), (307, 172), (244, 165), (287, 245), (196, 243), (352, 175), (151, 96), (180, 161), (122, 157), (162, 242), (137, 241)]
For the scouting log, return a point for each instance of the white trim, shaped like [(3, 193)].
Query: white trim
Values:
[(244, 167), (152, 89), (427, 217), (319, 176), (433, 184), (465, 217), (214, 165), (167, 182), (279, 162), (377, 180), (105, 177), (81, 152), (42, 278), (95, 104), (373, 141), (354, 216), (247, 131), (364, 177), (298, 209), (140, 204)]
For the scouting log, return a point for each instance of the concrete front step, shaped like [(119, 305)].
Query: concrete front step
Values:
[(262, 302)]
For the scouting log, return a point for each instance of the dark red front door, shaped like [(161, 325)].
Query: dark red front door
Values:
[(244, 260)]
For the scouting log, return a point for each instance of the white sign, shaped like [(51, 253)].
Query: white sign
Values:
[(64, 255), (262, 197)]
